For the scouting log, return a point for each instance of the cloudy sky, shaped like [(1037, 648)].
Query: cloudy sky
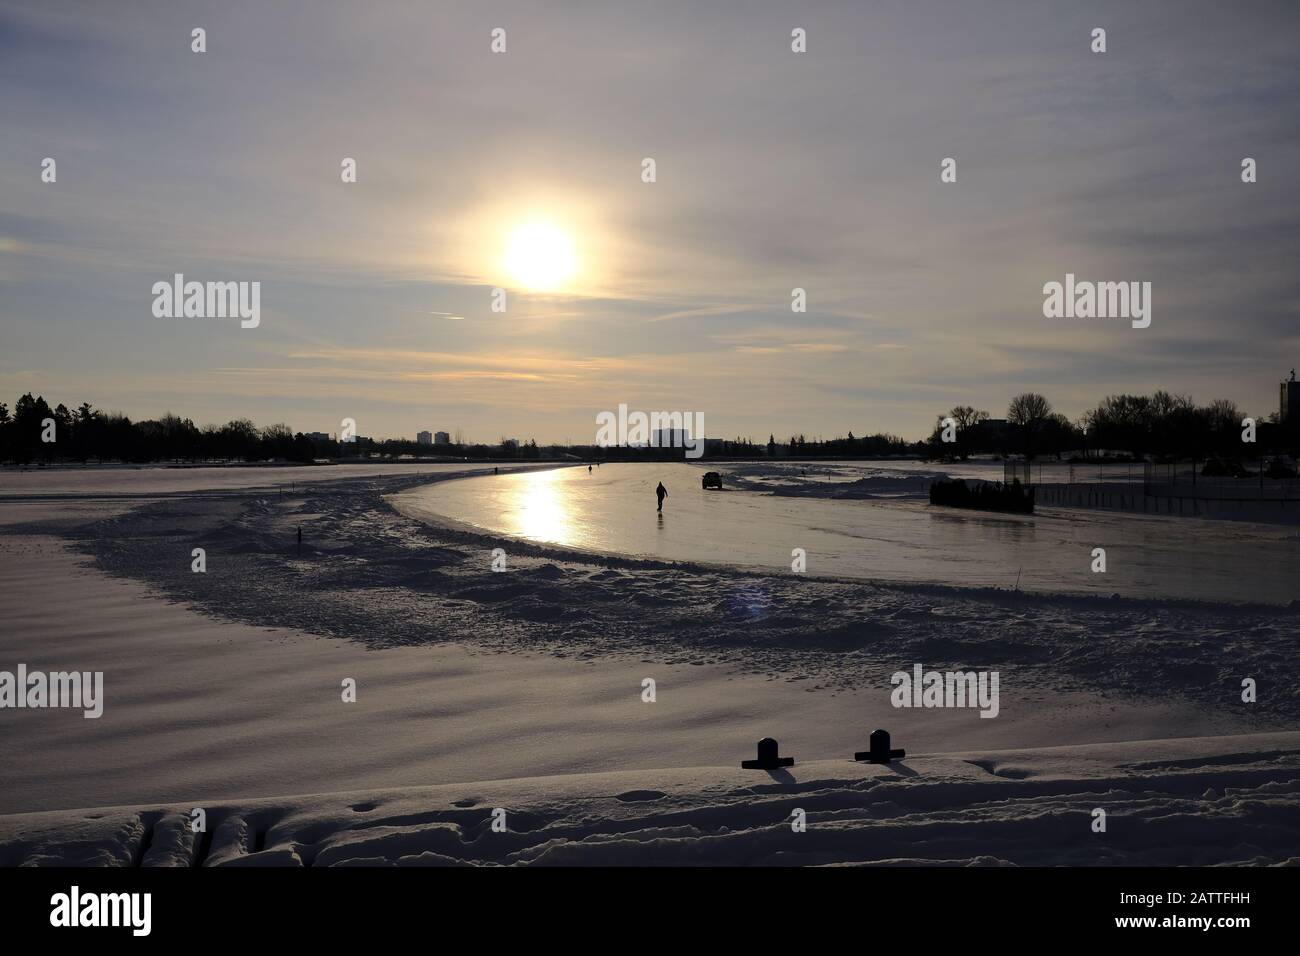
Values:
[(775, 170)]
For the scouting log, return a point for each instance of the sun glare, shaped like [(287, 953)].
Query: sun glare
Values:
[(540, 256)]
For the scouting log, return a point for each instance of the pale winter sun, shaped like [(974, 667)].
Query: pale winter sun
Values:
[(540, 256)]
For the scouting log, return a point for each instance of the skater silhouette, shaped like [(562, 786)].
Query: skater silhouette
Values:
[(662, 493)]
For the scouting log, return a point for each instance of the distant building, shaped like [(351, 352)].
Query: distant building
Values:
[(670, 438), (441, 438), (1289, 408), (319, 436), (424, 438)]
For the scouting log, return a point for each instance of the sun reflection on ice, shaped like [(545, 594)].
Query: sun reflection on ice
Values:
[(542, 507)]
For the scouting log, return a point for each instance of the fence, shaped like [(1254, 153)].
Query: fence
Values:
[(1188, 480), (1072, 473), (1164, 488)]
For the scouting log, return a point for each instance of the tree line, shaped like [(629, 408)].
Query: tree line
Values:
[(1161, 425), (34, 431)]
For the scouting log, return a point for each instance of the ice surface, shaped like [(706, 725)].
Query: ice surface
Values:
[(898, 536)]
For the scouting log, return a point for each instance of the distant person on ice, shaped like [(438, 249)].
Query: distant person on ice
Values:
[(662, 493)]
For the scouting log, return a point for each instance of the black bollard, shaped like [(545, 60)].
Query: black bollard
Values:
[(768, 757), (880, 752)]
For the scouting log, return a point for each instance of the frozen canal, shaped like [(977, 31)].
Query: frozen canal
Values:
[(901, 538)]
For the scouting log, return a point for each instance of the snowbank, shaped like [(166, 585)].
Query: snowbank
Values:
[(1222, 800), (821, 480)]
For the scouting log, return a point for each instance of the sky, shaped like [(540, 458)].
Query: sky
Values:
[(775, 170)]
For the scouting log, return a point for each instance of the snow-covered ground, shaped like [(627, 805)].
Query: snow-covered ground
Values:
[(138, 481), (1208, 801), (223, 691), (849, 479)]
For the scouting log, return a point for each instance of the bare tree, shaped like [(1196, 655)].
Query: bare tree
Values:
[(1029, 412)]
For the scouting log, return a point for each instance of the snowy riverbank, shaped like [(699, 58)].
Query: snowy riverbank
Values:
[(222, 688), (1200, 802)]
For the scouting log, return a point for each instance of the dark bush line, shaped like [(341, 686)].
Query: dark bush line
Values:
[(984, 496)]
